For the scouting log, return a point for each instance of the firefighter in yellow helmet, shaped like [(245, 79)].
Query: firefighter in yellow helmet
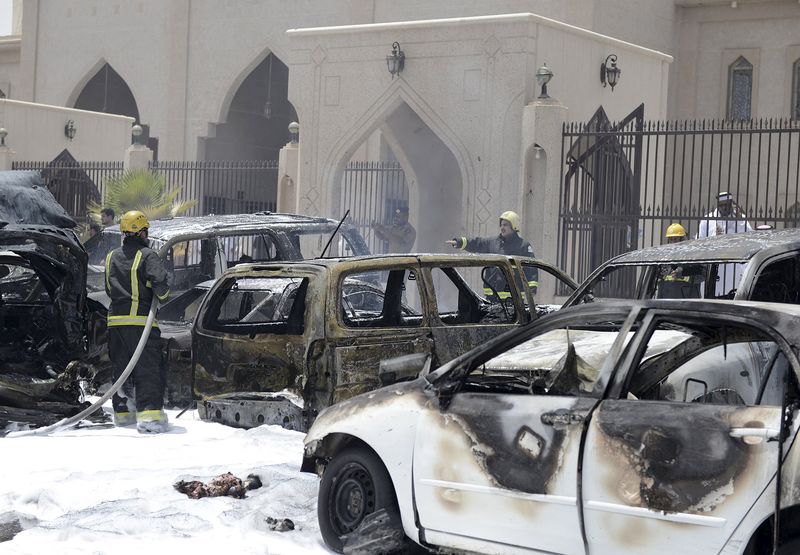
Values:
[(676, 233), (508, 242), (134, 275), (679, 282)]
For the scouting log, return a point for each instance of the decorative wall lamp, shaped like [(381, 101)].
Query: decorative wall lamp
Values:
[(609, 72), (543, 76), (396, 60), (70, 130), (294, 129), (136, 131), (3, 134)]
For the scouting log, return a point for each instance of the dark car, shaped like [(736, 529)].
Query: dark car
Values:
[(758, 266), (320, 328), (196, 249), (623, 427)]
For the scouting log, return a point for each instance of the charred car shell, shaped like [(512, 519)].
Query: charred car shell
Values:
[(490, 466), (322, 327)]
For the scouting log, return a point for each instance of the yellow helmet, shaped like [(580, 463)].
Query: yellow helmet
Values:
[(676, 230), (512, 218), (133, 222)]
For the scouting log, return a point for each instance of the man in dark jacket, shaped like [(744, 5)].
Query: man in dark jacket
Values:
[(134, 275), (508, 242)]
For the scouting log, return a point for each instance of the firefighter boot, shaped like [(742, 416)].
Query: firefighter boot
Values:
[(152, 421), (125, 411)]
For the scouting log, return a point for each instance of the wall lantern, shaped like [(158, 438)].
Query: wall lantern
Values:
[(70, 130), (396, 60), (609, 72), (3, 135), (136, 131), (543, 76), (294, 129)]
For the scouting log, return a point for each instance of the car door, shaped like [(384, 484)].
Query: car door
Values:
[(681, 451), (375, 311), (544, 284), (496, 460), (253, 329), (460, 319)]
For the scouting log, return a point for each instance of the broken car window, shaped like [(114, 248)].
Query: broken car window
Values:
[(779, 282), (704, 362), (380, 298), (248, 305), (310, 244), (251, 247), (457, 304), (565, 361)]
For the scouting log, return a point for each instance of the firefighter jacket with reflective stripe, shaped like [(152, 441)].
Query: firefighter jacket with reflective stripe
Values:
[(134, 273), (514, 245)]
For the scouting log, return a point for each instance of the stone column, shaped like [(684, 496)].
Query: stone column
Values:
[(6, 154), (137, 156), (540, 166), (288, 169)]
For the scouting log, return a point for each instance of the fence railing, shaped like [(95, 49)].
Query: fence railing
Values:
[(223, 187), (372, 191), (671, 172), (73, 183)]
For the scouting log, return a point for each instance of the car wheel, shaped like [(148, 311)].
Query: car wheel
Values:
[(354, 485)]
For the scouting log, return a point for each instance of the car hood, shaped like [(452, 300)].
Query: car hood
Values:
[(58, 259)]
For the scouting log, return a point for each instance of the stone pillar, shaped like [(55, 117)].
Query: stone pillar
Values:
[(6, 154), (540, 168), (137, 156), (288, 169)]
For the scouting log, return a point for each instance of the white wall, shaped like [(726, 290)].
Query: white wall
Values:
[(36, 132)]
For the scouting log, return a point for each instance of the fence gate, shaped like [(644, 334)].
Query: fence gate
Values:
[(624, 184), (372, 191)]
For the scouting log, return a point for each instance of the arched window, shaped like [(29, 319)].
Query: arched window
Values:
[(796, 90), (740, 89)]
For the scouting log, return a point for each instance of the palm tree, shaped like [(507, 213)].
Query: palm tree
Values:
[(142, 190)]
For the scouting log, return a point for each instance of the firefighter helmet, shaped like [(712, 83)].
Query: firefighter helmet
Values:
[(512, 218), (676, 230), (133, 222)]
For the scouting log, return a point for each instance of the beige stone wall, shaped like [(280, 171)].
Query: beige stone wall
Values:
[(36, 132)]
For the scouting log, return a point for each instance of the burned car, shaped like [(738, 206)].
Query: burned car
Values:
[(758, 266), (196, 249), (320, 328), (617, 427)]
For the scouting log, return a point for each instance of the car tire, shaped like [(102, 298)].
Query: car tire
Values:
[(354, 485)]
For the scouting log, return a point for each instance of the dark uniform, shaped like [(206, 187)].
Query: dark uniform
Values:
[(134, 273), (495, 279)]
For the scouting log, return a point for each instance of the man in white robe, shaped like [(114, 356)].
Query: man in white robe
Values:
[(726, 219)]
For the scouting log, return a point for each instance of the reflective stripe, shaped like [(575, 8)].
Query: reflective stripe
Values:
[(108, 271), (135, 284), (684, 279), (463, 243), (161, 298), (533, 284), (128, 321), (154, 415), (501, 294)]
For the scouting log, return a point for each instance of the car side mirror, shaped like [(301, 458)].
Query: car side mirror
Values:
[(403, 368)]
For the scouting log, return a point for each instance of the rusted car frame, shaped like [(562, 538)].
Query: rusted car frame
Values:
[(617, 427), (355, 312)]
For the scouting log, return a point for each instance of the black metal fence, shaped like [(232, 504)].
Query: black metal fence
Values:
[(223, 187), (74, 184), (372, 191), (624, 183)]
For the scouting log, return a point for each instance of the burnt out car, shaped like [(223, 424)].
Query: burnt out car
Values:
[(322, 327), (758, 266), (617, 427), (201, 248), (48, 328)]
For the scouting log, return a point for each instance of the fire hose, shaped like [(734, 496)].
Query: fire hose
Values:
[(72, 420)]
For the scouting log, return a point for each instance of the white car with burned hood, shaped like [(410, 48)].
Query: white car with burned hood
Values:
[(636, 427)]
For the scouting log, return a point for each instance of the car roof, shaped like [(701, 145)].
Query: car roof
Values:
[(424, 258), (165, 230), (733, 247)]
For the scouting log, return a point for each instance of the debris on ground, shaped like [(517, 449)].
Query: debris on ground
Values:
[(12, 523), (224, 484), (280, 524)]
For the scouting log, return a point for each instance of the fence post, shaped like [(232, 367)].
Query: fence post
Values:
[(6, 154), (137, 156), (288, 166), (540, 174)]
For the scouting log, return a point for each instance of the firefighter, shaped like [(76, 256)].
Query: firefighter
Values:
[(508, 242), (134, 274), (679, 282), (400, 236)]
